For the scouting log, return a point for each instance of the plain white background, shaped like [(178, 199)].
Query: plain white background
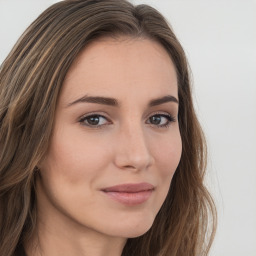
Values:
[(219, 38)]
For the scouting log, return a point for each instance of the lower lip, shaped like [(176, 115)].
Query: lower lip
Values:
[(130, 198)]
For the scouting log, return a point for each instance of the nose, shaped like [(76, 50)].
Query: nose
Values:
[(132, 149)]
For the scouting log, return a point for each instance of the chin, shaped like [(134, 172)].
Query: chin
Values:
[(137, 233), (132, 229)]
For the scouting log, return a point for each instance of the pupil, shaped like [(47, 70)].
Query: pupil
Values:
[(155, 119), (94, 120)]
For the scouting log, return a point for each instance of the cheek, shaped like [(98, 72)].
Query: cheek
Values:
[(73, 159), (167, 155), (72, 166), (63, 160)]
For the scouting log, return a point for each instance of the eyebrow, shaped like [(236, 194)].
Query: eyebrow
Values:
[(114, 102), (162, 100), (97, 100)]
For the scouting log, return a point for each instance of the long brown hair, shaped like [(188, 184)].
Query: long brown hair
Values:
[(30, 81)]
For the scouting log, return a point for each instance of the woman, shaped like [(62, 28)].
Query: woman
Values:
[(101, 150)]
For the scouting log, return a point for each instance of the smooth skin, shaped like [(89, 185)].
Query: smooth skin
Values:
[(98, 143)]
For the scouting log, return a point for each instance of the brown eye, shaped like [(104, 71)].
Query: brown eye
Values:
[(94, 120), (161, 120), (156, 120)]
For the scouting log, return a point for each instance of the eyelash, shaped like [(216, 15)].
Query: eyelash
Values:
[(170, 119), (84, 120)]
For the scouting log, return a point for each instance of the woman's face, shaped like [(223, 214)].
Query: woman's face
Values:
[(116, 141)]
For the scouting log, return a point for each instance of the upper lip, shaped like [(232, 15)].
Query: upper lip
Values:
[(130, 187)]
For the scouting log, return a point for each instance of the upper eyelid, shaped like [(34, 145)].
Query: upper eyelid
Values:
[(105, 115), (82, 121), (171, 118), (96, 113), (164, 113)]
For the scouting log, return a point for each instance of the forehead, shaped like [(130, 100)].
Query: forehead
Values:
[(123, 67)]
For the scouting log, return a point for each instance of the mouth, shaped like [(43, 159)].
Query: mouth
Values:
[(130, 194)]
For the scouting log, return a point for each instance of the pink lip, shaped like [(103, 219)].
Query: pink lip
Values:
[(130, 194)]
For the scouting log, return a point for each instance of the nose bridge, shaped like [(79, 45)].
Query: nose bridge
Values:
[(133, 148)]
